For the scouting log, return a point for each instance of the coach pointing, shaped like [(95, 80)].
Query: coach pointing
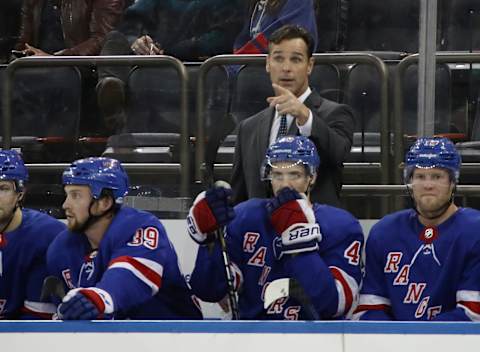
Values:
[(294, 110)]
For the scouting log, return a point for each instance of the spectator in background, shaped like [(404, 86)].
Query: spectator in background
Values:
[(9, 27), (294, 109), (54, 27), (266, 16), (190, 30), (67, 27)]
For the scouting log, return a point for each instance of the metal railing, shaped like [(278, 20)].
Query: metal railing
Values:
[(441, 58), (340, 58), (133, 60)]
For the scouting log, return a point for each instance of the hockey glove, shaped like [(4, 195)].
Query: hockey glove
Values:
[(210, 211), (85, 304), (294, 221)]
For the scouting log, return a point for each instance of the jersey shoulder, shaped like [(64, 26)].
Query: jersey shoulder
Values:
[(40, 226), (391, 222), (128, 220), (333, 220)]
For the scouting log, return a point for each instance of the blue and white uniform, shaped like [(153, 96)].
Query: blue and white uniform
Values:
[(23, 266), (330, 276), (135, 264), (418, 273)]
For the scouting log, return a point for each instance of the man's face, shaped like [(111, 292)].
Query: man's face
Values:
[(431, 189), (289, 65), (291, 176), (8, 200), (76, 205)]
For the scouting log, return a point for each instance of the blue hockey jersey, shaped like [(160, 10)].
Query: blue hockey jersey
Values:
[(23, 266), (418, 273), (135, 263), (329, 276)]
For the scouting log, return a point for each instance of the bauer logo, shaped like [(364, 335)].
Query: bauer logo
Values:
[(304, 231)]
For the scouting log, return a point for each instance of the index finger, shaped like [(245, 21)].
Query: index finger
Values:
[(279, 90)]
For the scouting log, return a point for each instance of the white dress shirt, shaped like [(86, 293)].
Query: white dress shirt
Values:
[(305, 130)]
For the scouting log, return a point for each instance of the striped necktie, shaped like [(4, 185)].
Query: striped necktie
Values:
[(282, 130)]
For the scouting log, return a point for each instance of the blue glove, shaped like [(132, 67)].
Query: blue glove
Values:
[(210, 211), (85, 304)]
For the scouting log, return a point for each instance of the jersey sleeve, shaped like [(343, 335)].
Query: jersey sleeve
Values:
[(333, 278), (32, 307), (468, 291), (374, 302), (136, 269), (208, 279)]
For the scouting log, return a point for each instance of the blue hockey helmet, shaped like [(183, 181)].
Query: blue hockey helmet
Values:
[(12, 168), (428, 153), (99, 174), (294, 149)]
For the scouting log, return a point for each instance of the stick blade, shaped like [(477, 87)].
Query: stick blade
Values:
[(52, 286)]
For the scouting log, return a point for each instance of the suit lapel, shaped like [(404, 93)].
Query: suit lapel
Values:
[(264, 134), (312, 102)]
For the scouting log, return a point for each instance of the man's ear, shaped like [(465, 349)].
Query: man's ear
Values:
[(311, 64), (21, 196), (105, 203), (267, 64)]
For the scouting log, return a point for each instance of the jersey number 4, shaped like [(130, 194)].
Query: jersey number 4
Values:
[(352, 253), (147, 237)]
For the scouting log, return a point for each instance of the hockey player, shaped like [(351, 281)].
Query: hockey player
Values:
[(424, 263), (116, 261), (24, 238), (281, 237)]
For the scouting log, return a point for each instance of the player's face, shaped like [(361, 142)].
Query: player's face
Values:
[(289, 65), (76, 205), (291, 176), (8, 200), (431, 189)]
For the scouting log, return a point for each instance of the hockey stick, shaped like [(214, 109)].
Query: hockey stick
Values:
[(232, 292), (52, 286), (287, 287)]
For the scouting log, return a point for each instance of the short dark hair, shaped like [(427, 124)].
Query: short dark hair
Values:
[(291, 31)]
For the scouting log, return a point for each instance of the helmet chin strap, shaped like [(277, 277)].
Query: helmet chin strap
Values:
[(439, 211), (92, 219)]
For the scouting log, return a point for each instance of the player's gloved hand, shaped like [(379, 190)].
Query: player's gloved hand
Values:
[(211, 210), (85, 304), (294, 220)]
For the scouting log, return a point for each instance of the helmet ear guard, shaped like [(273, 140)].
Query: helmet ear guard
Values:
[(99, 174), (298, 150)]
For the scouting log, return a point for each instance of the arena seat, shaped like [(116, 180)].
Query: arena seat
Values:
[(387, 25), (461, 25), (45, 116), (332, 17)]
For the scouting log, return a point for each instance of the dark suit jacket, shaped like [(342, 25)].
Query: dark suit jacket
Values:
[(332, 133)]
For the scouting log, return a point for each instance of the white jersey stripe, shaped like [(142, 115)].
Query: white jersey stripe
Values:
[(373, 300), (157, 268), (467, 295), (39, 307), (353, 291)]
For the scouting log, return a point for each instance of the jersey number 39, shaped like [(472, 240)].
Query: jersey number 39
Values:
[(147, 237)]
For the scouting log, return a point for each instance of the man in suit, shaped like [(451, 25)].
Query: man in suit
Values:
[(328, 124)]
